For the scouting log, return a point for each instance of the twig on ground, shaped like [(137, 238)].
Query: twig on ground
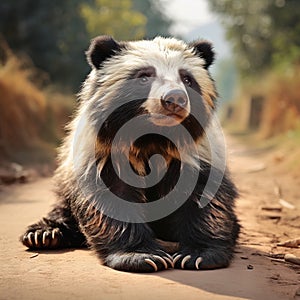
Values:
[(291, 258), (286, 204), (277, 256), (278, 193), (294, 243)]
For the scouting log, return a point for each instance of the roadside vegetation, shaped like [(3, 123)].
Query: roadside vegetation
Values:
[(42, 65), (265, 38)]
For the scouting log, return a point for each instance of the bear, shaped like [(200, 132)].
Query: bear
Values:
[(137, 173)]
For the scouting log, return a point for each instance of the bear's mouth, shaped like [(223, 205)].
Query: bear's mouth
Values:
[(169, 119), (176, 116)]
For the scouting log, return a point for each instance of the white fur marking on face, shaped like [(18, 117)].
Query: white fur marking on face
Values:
[(166, 80), (167, 56)]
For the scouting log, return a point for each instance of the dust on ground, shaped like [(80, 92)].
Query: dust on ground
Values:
[(257, 272)]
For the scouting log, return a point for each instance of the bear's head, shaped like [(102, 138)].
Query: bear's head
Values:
[(164, 79)]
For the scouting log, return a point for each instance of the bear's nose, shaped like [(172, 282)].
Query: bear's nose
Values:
[(174, 101)]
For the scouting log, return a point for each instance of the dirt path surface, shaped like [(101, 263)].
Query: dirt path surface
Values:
[(77, 274)]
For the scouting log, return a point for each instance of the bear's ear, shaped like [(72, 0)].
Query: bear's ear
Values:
[(204, 49), (102, 48)]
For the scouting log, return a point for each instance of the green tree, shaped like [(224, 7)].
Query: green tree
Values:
[(157, 22), (51, 33), (285, 32), (55, 34), (115, 18), (263, 32), (248, 29)]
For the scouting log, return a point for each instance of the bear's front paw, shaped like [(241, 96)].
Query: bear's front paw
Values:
[(140, 262), (42, 239), (197, 260), (187, 261)]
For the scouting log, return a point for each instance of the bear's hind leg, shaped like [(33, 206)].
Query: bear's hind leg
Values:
[(58, 230)]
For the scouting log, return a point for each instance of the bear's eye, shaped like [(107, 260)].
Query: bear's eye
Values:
[(144, 78), (187, 80), (145, 75)]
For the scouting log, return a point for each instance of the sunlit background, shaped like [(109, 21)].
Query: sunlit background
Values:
[(42, 63)]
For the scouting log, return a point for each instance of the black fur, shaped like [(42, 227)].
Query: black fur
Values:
[(102, 48), (204, 50), (204, 227), (60, 230), (209, 232)]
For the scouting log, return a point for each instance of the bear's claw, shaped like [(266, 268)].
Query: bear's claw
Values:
[(140, 262), (42, 239), (197, 262), (170, 261), (176, 257), (187, 261), (151, 263)]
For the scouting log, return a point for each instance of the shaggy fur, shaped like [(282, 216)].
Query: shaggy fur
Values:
[(130, 79)]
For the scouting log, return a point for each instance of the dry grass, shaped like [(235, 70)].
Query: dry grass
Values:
[(282, 110), (22, 105), (30, 118)]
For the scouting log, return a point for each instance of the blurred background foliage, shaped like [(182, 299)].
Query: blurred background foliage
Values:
[(54, 34), (109, 15), (42, 63), (265, 39), (264, 33)]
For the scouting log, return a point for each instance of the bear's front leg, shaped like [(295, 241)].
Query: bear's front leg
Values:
[(207, 236), (120, 242), (135, 251), (125, 246), (59, 229), (122, 245)]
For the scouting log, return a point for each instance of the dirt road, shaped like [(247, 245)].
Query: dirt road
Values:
[(77, 274)]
